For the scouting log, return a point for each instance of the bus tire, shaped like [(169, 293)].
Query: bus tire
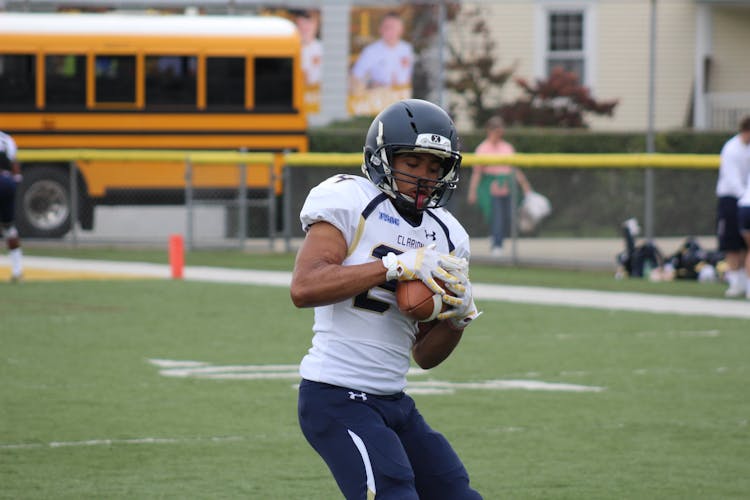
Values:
[(43, 203)]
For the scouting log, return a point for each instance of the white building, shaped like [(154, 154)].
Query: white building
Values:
[(700, 63)]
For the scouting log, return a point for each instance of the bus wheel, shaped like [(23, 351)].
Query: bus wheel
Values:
[(43, 203)]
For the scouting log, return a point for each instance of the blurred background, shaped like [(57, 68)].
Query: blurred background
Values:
[(612, 77)]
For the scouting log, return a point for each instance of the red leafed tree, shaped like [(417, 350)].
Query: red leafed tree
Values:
[(473, 73), (559, 101)]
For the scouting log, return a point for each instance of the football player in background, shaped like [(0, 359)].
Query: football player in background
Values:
[(734, 170), (363, 234), (10, 176), (743, 204)]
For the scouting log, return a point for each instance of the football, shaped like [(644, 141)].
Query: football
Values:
[(416, 300)]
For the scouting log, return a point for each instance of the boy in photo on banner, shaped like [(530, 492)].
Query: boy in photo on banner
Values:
[(308, 23), (382, 73)]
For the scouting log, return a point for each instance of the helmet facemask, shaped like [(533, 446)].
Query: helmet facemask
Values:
[(433, 193)]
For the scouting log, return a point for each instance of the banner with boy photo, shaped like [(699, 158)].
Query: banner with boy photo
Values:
[(385, 56), (382, 61)]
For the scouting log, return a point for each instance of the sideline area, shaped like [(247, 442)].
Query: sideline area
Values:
[(53, 268)]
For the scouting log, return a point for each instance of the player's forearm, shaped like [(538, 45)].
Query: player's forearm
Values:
[(435, 344), (331, 283)]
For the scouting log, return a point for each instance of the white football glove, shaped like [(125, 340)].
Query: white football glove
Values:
[(464, 311), (423, 264)]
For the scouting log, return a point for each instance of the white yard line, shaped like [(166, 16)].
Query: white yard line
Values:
[(111, 442), (620, 301)]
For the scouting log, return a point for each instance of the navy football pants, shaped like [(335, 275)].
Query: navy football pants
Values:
[(380, 446), (7, 197)]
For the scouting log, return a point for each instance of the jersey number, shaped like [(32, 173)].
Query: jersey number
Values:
[(364, 300)]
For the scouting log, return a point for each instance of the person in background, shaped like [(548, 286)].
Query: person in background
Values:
[(732, 185), (491, 185), (312, 49), (364, 234), (387, 62), (743, 205), (10, 176)]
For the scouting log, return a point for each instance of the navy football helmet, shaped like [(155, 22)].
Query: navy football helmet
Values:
[(412, 125)]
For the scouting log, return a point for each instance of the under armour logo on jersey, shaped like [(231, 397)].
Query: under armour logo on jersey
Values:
[(430, 236), (355, 396)]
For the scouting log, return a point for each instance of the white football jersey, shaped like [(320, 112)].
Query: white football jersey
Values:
[(364, 343), (734, 169), (7, 146)]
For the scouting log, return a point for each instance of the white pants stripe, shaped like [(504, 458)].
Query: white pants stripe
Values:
[(366, 460)]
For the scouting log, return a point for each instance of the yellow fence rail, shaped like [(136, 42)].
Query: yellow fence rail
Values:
[(42, 155), (541, 160)]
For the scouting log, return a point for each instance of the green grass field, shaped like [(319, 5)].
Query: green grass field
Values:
[(84, 413)]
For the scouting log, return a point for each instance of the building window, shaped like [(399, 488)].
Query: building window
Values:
[(565, 43), (565, 39)]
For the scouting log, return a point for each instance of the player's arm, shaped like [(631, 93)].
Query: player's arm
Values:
[(434, 342), (319, 278)]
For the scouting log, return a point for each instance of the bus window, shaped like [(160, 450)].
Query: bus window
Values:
[(170, 81), (225, 82), (273, 83), (65, 81), (17, 81), (115, 79)]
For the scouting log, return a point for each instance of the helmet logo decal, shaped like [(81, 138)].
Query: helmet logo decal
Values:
[(433, 141)]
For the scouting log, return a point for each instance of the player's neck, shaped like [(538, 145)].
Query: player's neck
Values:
[(410, 214)]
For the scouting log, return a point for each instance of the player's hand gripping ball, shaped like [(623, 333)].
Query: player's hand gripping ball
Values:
[(418, 301)]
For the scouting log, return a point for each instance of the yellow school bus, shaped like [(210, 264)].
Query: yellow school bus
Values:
[(170, 82)]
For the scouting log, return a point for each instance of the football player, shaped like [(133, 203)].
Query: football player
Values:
[(363, 234), (734, 171), (10, 176)]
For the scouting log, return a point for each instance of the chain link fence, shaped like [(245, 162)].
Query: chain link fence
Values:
[(588, 203), (213, 202), (588, 207)]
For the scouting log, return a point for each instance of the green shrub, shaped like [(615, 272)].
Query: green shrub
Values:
[(349, 136)]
